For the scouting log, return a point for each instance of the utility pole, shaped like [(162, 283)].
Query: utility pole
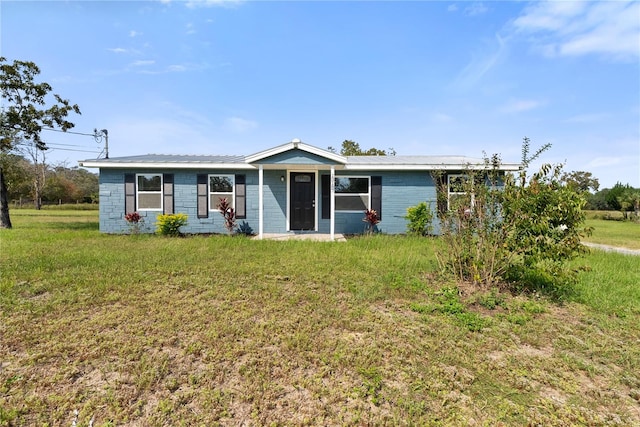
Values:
[(98, 136)]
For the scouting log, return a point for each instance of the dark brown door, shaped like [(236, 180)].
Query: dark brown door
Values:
[(303, 201)]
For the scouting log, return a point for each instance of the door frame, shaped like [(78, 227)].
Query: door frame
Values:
[(315, 197)]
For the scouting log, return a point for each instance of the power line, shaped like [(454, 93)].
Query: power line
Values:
[(69, 149), (68, 131), (64, 145), (98, 136)]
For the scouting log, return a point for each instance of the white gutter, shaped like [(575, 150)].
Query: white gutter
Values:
[(163, 165), (419, 167)]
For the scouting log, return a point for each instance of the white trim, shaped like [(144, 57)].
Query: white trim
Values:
[(287, 220), (368, 177), (457, 193), (332, 196), (507, 167), (293, 145), (260, 203), (233, 190), (114, 164), (161, 192)]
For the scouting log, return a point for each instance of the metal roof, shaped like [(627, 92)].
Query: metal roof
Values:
[(171, 158), (250, 162)]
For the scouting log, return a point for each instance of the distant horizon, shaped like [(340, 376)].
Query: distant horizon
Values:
[(424, 78)]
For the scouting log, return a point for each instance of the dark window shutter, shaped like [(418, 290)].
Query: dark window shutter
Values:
[(325, 181), (203, 196), (442, 192), (241, 197), (376, 195), (129, 193), (167, 192)]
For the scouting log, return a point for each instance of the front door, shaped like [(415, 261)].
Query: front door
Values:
[(303, 201)]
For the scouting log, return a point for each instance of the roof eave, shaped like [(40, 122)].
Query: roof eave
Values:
[(163, 165), (507, 167)]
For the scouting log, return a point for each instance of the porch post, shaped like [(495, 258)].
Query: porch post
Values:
[(332, 186), (260, 201)]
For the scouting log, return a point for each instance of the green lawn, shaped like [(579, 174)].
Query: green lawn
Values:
[(615, 233), (144, 330)]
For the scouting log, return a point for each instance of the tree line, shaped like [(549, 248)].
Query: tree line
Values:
[(38, 183), (621, 197)]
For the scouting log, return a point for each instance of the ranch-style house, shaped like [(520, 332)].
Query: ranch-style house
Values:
[(290, 188)]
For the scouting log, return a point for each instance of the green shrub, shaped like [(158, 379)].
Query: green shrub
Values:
[(169, 224), (518, 229), (420, 219)]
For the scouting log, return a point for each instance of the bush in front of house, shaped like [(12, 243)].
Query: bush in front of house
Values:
[(371, 220), (420, 219), (135, 222), (229, 215), (169, 224), (514, 229)]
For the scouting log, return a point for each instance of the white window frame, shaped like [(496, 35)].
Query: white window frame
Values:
[(338, 194), (139, 192), (232, 194), (457, 193)]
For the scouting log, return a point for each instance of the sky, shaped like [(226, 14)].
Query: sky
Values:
[(421, 77)]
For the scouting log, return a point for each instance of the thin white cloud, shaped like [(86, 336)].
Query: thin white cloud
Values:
[(481, 64), (520, 106), (452, 8), (442, 118), (160, 136), (610, 29), (174, 68), (240, 125), (587, 118), (177, 68), (124, 51), (190, 28), (212, 3), (474, 9), (142, 63), (117, 50), (134, 33), (599, 162)]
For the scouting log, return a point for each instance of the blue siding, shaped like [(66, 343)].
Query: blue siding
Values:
[(185, 201), (400, 190), (275, 202)]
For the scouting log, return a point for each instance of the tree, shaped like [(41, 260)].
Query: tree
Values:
[(629, 200), (615, 194), (38, 170), (598, 201), (17, 175), (580, 181), (25, 114), (352, 148)]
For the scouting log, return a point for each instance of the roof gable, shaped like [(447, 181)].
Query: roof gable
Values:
[(296, 150)]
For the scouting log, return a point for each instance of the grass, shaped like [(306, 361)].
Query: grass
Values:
[(145, 330), (614, 233)]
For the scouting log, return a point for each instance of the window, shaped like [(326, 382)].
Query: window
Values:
[(352, 193), (220, 187), (149, 192), (458, 195)]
